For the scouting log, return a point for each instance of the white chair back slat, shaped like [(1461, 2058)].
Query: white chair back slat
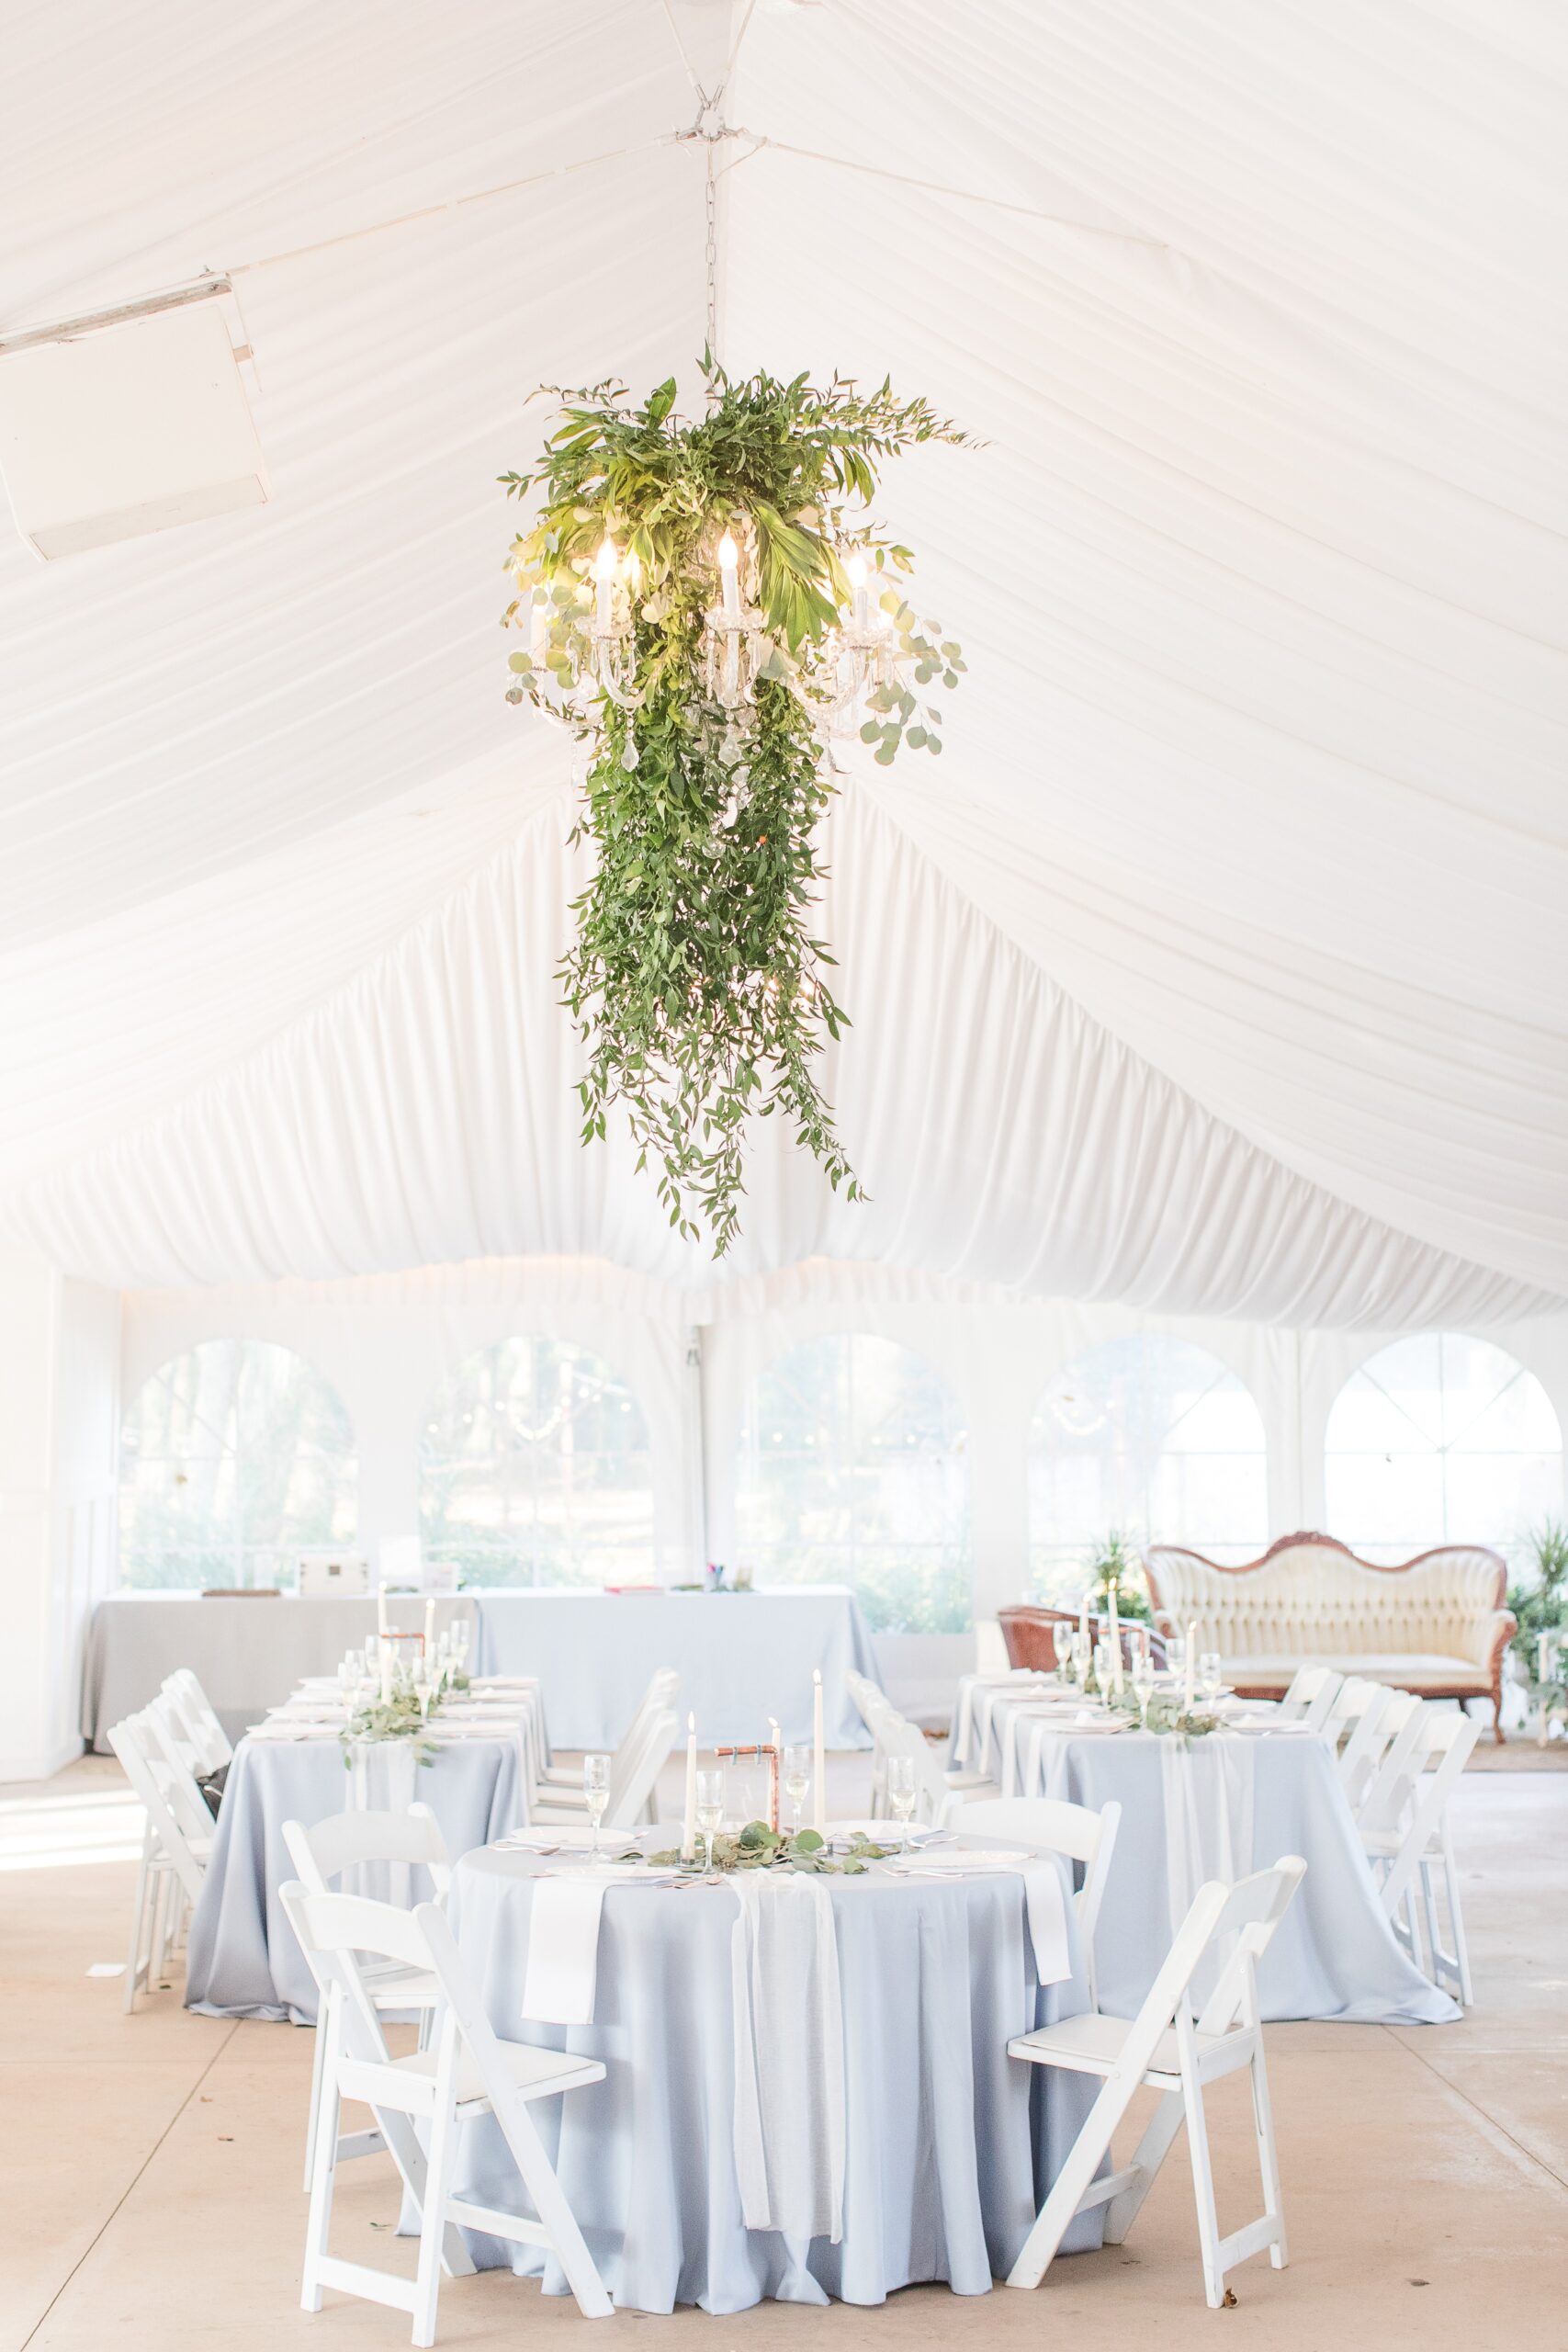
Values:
[(206, 1730), (640, 1770), (324, 1851), (1311, 1696)]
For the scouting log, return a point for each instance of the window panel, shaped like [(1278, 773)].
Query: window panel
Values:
[(234, 1457), (854, 1469), (534, 1469), (1441, 1439), (1153, 1437)]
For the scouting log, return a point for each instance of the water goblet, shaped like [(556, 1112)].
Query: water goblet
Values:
[(796, 1781), (1062, 1643), (709, 1810), (901, 1793), (1083, 1657), (1211, 1674), (1176, 1658), (596, 1788), (1105, 1667)]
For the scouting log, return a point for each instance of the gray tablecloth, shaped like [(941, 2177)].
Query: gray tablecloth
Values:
[(1335, 1954), (950, 2145), (244, 1959), (742, 1657), (248, 1655)]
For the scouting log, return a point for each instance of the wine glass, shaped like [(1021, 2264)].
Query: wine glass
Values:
[(1210, 1674), (901, 1792), (709, 1809), (1176, 1657), (596, 1788), (1083, 1654), (1142, 1680), (1104, 1666), (1062, 1643), (796, 1781)]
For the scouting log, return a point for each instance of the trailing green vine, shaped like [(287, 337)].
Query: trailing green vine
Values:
[(694, 980)]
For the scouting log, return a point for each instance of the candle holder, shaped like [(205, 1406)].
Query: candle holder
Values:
[(760, 1747)]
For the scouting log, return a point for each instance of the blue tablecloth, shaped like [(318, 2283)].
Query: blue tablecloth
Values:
[(950, 2145), (742, 1657), (1335, 1954), (243, 1960)]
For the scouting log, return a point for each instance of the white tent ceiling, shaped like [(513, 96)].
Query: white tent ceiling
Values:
[(1219, 962)]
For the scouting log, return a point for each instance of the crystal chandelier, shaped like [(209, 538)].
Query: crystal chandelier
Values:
[(582, 643)]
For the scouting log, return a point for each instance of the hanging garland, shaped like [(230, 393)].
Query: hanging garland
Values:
[(698, 599)]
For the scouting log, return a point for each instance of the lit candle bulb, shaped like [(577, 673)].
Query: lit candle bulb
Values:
[(859, 575), (730, 570), (606, 564)]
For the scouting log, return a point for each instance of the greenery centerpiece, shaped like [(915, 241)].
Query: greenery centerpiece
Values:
[(399, 1717), (1114, 1568), (758, 1847), (1542, 1608), (697, 596)]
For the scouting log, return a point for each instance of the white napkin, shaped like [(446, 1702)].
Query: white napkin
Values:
[(563, 1944), (789, 2055)]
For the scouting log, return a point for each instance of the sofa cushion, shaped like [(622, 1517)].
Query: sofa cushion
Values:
[(1412, 1671)]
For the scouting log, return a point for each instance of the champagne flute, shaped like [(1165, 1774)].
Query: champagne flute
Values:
[(1062, 1643), (1210, 1674), (709, 1810), (1176, 1657), (796, 1781), (1104, 1667), (596, 1788), (901, 1792), (1082, 1655), (1143, 1681)]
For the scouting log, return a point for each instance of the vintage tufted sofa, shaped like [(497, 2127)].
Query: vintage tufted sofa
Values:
[(1435, 1624)]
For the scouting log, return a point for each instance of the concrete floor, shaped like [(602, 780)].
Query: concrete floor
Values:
[(148, 2169)]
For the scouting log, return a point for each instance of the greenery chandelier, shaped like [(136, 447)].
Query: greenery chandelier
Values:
[(707, 606)]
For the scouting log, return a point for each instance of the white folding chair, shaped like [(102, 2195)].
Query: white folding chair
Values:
[(1047, 1826), (201, 1717), (1311, 1695), (634, 1776), (320, 1853), (894, 1734), (1355, 1723), (175, 1850), (467, 2072), (1386, 1792), (1410, 1847), (664, 1684), (1168, 2050)]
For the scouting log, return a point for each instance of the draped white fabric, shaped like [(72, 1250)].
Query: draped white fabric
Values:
[(1218, 963)]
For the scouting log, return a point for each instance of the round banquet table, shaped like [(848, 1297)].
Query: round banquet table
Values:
[(950, 2145), (243, 1960), (1335, 1954)]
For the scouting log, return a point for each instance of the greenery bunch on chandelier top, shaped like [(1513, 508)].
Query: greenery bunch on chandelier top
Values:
[(706, 603)]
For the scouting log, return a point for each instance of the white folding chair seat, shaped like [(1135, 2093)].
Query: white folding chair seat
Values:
[(466, 2072), (1049, 1826), (1166, 2048), (1313, 1692), (1404, 1831), (320, 1854)]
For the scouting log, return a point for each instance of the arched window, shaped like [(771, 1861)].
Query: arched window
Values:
[(232, 1458), (854, 1470), (1154, 1438), (534, 1469), (1437, 1440)]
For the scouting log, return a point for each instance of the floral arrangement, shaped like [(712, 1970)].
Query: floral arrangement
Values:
[(757, 1847), (1114, 1568), (697, 597), (400, 1717)]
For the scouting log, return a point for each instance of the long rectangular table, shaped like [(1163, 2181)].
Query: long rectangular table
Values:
[(741, 1656)]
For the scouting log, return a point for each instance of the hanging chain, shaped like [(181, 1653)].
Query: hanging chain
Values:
[(710, 200)]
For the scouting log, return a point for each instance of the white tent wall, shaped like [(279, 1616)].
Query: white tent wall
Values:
[(59, 1434), (384, 1343)]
